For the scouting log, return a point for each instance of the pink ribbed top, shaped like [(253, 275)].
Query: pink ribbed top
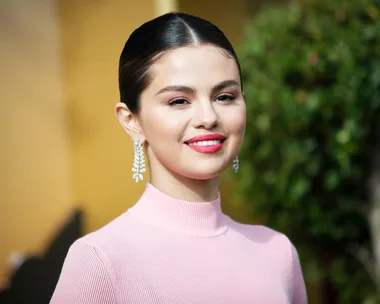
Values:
[(164, 250)]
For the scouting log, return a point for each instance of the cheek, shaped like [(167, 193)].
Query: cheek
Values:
[(235, 119), (164, 126)]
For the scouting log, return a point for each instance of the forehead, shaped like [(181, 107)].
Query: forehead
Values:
[(194, 65)]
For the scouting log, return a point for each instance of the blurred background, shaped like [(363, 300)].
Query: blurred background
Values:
[(310, 165)]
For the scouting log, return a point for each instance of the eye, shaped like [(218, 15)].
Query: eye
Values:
[(178, 102), (225, 98)]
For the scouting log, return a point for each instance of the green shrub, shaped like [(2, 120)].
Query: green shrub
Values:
[(312, 88)]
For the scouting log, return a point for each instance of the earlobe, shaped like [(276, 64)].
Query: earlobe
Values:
[(128, 121)]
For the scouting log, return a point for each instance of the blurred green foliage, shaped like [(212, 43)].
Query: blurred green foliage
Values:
[(312, 87)]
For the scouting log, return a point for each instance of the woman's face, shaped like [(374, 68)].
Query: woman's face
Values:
[(195, 92)]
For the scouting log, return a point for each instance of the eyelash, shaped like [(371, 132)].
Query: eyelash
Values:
[(178, 101)]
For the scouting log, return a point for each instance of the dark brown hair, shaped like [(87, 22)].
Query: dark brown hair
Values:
[(146, 43)]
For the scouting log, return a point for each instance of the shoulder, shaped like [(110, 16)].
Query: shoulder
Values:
[(105, 245), (272, 244), (88, 270), (94, 247), (262, 235), (86, 276), (109, 236), (278, 252)]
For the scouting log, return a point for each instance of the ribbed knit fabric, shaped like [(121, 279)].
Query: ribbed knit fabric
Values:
[(164, 250)]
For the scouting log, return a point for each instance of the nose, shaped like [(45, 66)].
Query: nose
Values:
[(205, 115)]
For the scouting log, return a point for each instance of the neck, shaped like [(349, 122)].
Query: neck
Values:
[(195, 218), (184, 188)]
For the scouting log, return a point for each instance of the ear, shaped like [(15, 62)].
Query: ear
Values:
[(129, 122)]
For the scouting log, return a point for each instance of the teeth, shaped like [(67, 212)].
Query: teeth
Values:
[(206, 143)]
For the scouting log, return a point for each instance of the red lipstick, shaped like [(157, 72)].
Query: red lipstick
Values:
[(194, 143), (205, 137)]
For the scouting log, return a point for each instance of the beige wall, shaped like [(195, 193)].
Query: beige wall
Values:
[(93, 35), (61, 144), (34, 189)]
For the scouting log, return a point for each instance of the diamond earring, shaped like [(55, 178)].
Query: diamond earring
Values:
[(138, 162), (235, 164)]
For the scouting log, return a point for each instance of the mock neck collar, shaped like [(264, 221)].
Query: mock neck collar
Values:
[(202, 219)]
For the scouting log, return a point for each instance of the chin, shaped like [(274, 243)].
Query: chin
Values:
[(204, 173)]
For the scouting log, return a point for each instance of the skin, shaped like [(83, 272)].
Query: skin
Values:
[(182, 101)]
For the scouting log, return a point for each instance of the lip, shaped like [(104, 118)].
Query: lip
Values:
[(206, 149), (206, 137)]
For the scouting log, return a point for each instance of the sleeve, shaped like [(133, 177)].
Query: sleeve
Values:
[(299, 295), (84, 278)]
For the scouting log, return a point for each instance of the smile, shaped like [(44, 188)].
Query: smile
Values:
[(206, 143), (206, 146)]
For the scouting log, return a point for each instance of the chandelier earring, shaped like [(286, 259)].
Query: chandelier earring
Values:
[(139, 162), (235, 164)]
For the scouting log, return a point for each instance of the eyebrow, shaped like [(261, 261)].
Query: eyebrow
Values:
[(190, 90)]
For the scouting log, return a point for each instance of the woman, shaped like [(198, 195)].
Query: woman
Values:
[(181, 102)]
